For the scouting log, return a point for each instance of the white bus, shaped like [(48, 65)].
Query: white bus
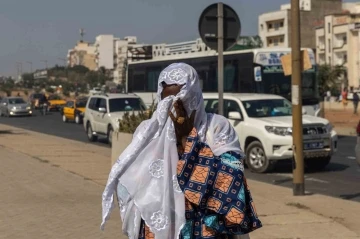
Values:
[(245, 71)]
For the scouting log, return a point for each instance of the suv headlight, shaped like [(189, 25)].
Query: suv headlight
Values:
[(329, 128), (283, 131)]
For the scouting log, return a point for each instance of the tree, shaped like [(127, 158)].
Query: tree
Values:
[(28, 80), (329, 78)]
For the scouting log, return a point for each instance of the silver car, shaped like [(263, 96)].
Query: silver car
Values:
[(14, 106)]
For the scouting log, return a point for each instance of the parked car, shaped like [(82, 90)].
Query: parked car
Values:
[(357, 147), (14, 106), (74, 110), (264, 125), (55, 102), (104, 110), (37, 100)]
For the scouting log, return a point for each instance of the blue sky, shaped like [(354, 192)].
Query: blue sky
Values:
[(38, 30)]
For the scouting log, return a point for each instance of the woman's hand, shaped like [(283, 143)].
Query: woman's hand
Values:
[(182, 123)]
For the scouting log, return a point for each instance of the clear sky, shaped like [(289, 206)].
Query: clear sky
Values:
[(38, 30)]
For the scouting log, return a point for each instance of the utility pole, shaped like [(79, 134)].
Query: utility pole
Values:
[(46, 63), (19, 69), (30, 63), (221, 57), (296, 95)]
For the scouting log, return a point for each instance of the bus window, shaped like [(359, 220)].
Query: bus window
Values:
[(152, 79)]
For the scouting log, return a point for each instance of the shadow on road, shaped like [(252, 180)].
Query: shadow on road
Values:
[(5, 132), (350, 196), (286, 167)]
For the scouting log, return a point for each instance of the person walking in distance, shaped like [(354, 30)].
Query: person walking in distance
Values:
[(182, 176), (344, 97), (355, 102)]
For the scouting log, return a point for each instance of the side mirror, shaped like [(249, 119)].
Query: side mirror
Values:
[(235, 115), (102, 110)]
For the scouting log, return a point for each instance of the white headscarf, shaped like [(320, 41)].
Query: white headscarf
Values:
[(145, 175)]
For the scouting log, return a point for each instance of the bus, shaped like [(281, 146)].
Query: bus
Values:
[(245, 71)]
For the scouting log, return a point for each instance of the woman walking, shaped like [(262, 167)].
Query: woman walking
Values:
[(182, 176)]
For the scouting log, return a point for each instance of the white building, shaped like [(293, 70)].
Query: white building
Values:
[(338, 43), (274, 27), (105, 51), (82, 54)]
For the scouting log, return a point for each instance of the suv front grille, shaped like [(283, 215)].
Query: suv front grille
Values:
[(314, 129)]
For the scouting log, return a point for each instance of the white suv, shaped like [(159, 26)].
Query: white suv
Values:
[(264, 125), (104, 110)]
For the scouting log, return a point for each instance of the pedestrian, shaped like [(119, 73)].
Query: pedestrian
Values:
[(355, 101), (182, 176), (344, 97)]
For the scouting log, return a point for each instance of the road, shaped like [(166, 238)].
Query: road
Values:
[(340, 179)]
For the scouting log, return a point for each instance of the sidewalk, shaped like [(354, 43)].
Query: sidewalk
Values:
[(48, 202), (344, 121)]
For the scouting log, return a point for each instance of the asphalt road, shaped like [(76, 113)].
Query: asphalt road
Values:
[(340, 179)]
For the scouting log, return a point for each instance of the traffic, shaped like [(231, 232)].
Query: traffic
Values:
[(263, 122)]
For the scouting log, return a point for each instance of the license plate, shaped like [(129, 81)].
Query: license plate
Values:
[(314, 145)]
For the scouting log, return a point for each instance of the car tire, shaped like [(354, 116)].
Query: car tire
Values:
[(110, 135), (64, 119), (89, 132), (256, 158), (77, 119), (317, 163)]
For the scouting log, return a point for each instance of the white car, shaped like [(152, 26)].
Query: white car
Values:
[(264, 125), (104, 110)]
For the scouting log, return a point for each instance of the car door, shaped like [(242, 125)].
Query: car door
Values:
[(101, 117), (69, 110), (96, 115), (230, 105)]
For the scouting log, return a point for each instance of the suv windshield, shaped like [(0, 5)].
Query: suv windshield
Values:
[(14, 101), (267, 108), (81, 104), (126, 104)]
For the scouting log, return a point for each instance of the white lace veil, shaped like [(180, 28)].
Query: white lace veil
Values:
[(144, 176)]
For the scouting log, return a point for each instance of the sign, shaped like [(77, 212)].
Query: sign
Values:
[(40, 75), (208, 27), (257, 73), (286, 62)]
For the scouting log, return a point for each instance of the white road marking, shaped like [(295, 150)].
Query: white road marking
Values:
[(351, 157)]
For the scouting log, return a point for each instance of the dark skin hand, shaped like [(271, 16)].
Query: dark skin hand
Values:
[(184, 129)]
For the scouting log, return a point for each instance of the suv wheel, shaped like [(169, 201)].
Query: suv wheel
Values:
[(317, 163), (110, 135), (256, 159), (89, 133)]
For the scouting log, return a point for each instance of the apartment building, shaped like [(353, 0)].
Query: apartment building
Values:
[(82, 54), (275, 27), (338, 43)]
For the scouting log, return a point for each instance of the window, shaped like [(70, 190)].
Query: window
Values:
[(281, 39), (276, 42), (270, 25), (329, 45), (81, 104), (70, 104), (270, 41), (93, 103), (267, 108), (344, 39), (345, 58), (102, 104), (276, 26), (329, 27), (15, 101), (329, 60), (281, 24), (126, 104), (211, 106)]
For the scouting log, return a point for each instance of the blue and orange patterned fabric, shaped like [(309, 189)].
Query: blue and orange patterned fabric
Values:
[(218, 202)]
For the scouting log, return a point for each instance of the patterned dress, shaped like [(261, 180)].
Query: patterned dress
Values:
[(218, 202)]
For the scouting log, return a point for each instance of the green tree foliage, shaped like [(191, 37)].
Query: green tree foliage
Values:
[(329, 78), (131, 120)]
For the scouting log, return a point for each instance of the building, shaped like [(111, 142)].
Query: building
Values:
[(104, 51), (338, 43), (82, 54), (274, 27)]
